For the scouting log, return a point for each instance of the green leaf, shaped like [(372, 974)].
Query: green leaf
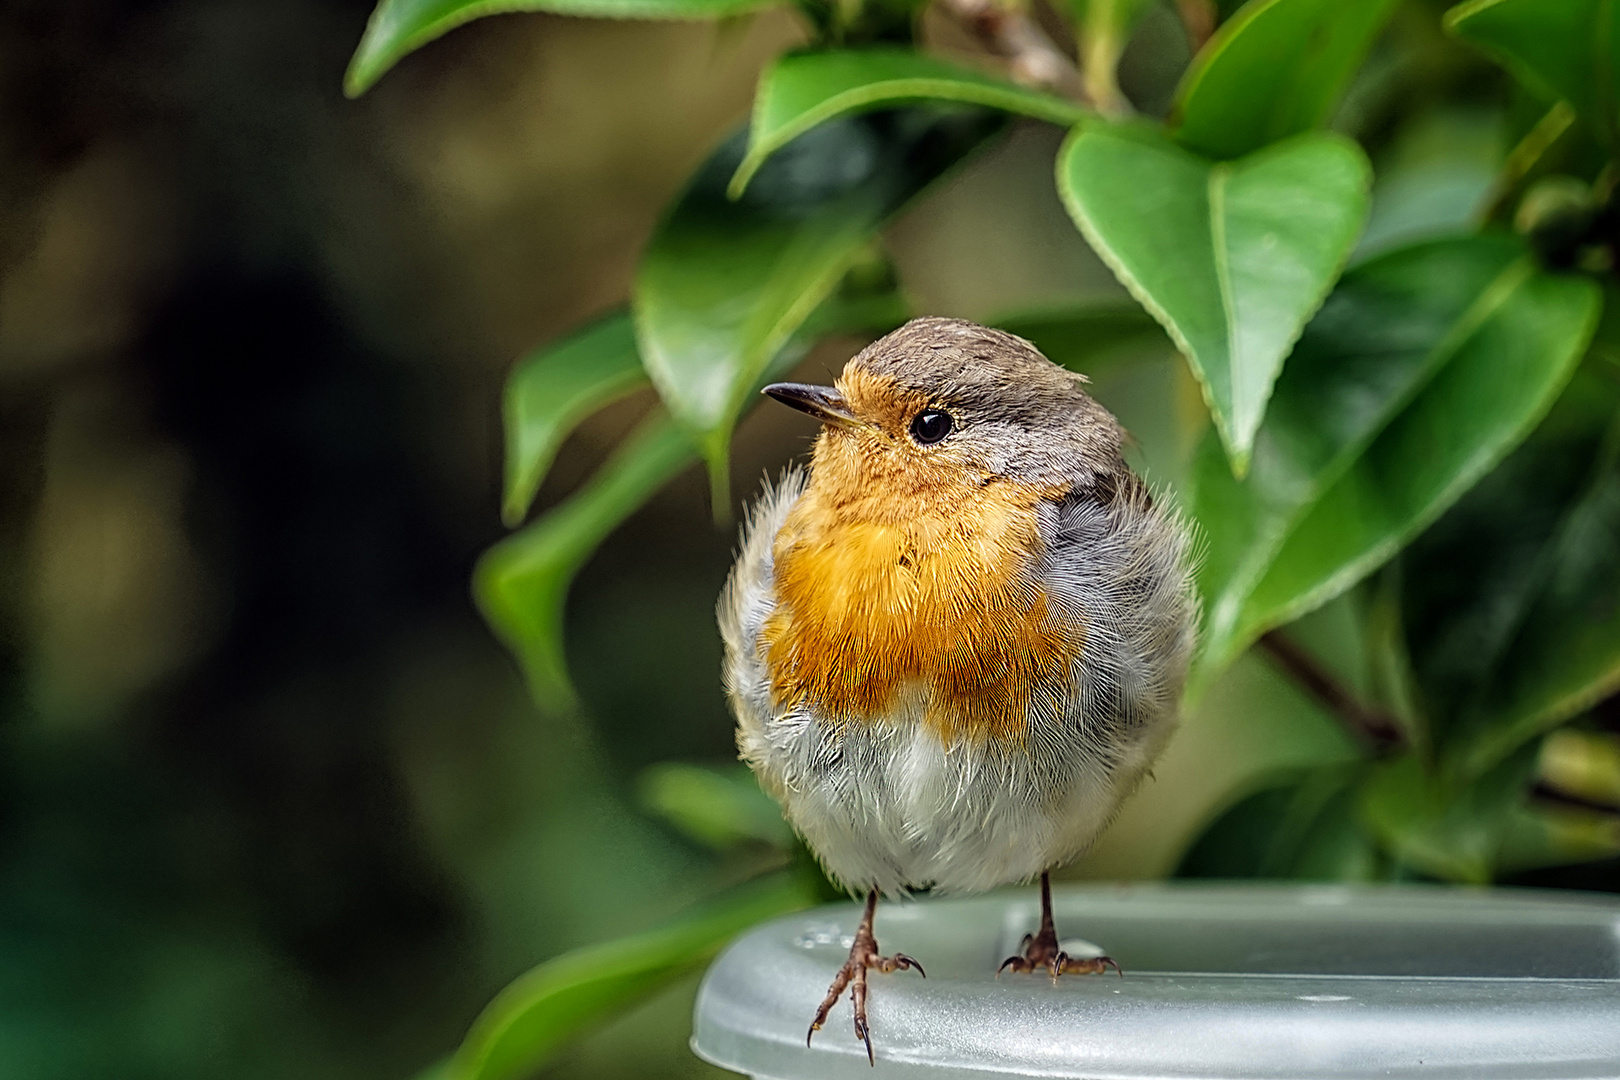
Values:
[(720, 808), (1393, 686), (723, 285), (551, 390), (539, 1013), (1567, 656), (1232, 258), (1305, 828), (1391, 325), (522, 582), (1519, 601), (1475, 573), (804, 89), (1090, 338), (1548, 834), (400, 27), (1560, 49), (867, 302), (1484, 401), (1274, 70), (1443, 826)]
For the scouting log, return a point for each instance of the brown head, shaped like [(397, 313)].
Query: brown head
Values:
[(941, 407), (907, 564)]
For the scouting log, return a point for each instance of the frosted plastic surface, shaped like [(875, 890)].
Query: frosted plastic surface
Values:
[(1221, 982)]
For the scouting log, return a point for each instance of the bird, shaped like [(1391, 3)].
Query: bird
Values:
[(957, 640)]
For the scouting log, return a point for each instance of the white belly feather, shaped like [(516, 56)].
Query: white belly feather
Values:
[(887, 804)]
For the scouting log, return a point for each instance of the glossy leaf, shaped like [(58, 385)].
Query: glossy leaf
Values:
[(400, 27), (1276, 69), (1567, 655), (551, 390), (1090, 338), (1549, 834), (1536, 638), (719, 808), (804, 89), (543, 1010), (1443, 826), (1304, 829), (1483, 402), (1560, 49), (1475, 573), (522, 582), (1392, 684), (1391, 325), (723, 285), (1232, 258)]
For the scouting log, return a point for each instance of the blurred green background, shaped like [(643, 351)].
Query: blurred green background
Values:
[(274, 801)]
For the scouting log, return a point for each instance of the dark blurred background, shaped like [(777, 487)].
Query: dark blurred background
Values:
[(274, 801)]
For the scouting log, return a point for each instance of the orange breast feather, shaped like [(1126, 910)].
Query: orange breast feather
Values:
[(933, 614)]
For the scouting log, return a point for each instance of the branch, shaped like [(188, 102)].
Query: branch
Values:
[(1198, 17), (1370, 725), (1034, 58)]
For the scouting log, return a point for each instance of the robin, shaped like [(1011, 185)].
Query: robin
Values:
[(957, 641)]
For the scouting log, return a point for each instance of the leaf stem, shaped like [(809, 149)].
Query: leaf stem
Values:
[(1369, 725), (1198, 18)]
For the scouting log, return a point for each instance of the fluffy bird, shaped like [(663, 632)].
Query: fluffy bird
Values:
[(957, 641)]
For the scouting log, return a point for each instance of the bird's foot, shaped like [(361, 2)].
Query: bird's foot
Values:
[(863, 957), (1042, 951)]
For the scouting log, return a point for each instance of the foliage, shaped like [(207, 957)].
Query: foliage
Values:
[(1232, 257), (1432, 435), (530, 1018)]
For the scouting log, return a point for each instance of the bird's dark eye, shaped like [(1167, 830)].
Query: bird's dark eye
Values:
[(930, 426)]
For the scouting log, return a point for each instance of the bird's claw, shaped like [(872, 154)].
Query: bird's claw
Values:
[(1041, 951), (863, 957)]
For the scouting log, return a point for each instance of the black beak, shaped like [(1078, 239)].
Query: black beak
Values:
[(823, 402)]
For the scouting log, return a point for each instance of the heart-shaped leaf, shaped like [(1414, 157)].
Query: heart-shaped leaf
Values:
[(1232, 258), (724, 284), (543, 1010), (1513, 603), (1387, 329), (553, 389), (1497, 385), (400, 27), (803, 89), (1560, 49), (1276, 68)]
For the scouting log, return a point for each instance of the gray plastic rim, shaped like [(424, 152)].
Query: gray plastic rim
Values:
[(1222, 982)]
